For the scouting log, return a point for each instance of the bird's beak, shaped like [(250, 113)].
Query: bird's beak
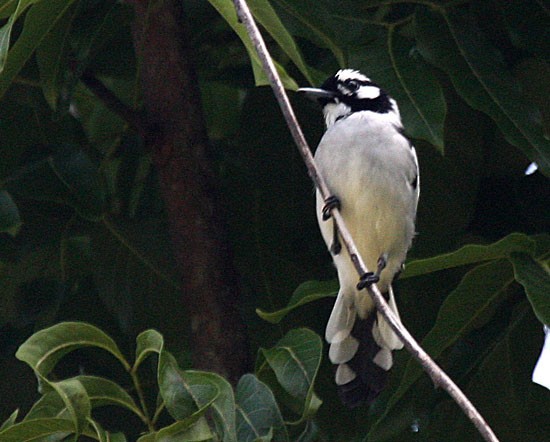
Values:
[(315, 94)]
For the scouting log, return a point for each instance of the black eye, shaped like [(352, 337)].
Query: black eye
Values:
[(352, 85)]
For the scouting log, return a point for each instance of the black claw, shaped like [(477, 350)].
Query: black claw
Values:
[(381, 264), (336, 247), (331, 202), (367, 280)]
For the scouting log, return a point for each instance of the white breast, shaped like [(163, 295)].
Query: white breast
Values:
[(369, 165)]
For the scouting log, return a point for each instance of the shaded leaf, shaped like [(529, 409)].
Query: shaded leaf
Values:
[(10, 219), (295, 361), (45, 348), (467, 307), (258, 415), (10, 420), (135, 272), (470, 254), (39, 21), (418, 92), (535, 279), (317, 25), (306, 292), (51, 57), (453, 42), (67, 177)]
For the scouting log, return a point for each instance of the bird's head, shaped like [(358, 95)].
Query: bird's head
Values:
[(347, 92)]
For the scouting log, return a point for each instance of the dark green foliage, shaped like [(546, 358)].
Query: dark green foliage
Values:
[(84, 237)]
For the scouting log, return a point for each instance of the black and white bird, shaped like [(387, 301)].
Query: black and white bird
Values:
[(371, 170)]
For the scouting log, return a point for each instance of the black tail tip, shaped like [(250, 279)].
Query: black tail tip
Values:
[(358, 392)]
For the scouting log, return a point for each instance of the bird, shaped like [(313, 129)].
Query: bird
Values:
[(371, 170)]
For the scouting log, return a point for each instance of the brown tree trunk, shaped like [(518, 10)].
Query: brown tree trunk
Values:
[(179, 144)]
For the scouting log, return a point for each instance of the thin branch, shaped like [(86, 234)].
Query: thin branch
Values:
[(134, 118), (438, 376)]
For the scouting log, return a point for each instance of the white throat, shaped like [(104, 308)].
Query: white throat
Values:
[(334, 111)]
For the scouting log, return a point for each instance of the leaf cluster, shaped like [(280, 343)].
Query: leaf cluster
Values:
[(84, 231), (201, 406)]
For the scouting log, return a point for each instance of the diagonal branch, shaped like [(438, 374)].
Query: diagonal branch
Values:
[(438, 376)]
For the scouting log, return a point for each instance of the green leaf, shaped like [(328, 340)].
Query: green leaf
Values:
[(149, 341), (104, 392), (502, 390), (45, 348), (186, 394), (295, 361), (317, 25), (471, 254), (454, 42), (68, 177), (258, 415), (267, 17), (51, 57), (467, 307), (306, 292), (223, 407), (136, 277), (10, 420), (418, 92), (535, 279), (76, 401), (35, 429), (394, 63), (39, 21), (10, 220), (182, 432), (227, 11), (5, 31), (102, 435)]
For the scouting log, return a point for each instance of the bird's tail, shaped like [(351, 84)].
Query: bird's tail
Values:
[(361, 345)]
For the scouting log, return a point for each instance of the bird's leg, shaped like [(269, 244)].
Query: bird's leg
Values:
[(332, 202), (369, 278)]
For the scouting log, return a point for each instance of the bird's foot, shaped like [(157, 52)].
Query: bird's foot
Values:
[(332, 202), (371, 278), (367, 279), (336, 247)]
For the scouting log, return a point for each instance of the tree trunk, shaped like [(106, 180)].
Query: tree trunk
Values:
[(177, 138)]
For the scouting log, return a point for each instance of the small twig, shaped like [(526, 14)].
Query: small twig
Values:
[(134, 118), (438, 376)]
